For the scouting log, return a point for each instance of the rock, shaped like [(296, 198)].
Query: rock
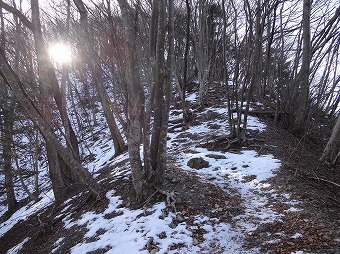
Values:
[(162, 235), (172, 225), (175, 180), (180, 218), (149, 243), (154, 251), (198, 163), (216, 156)]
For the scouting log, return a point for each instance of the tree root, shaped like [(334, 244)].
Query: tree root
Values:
[(228, 140), (170, 199)]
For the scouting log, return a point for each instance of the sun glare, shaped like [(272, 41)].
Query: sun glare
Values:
[(60, 53)]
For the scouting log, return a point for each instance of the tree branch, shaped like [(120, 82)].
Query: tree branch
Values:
[(325, 180), (17, 13)]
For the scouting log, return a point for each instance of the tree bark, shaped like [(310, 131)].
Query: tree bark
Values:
[(7, 140), (256, 63), (166, 98), (159, 74), (46, 85), (330, 150), (186, 61), (136, 105), (298, 126), (6, 134), (225, 72), (202, 51)]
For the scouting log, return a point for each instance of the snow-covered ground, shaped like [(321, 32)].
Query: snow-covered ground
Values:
[(151, 230)]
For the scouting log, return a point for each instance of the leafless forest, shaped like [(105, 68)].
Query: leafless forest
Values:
[(131, 60)]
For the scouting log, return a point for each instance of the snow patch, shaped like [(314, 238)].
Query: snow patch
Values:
[(26, 211), (16, 249)]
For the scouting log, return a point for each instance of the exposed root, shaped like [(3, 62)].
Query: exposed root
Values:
[(170, 199)]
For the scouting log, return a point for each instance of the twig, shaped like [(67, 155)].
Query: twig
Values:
[(334, 200), (170, 199), (149, 198), (325, 180), (236, 140), (336, 159)]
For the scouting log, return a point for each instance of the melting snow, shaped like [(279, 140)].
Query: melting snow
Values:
[(121, 230), (26, 211), (16, 249)]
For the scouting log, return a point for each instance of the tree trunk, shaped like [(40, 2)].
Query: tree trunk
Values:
[(256, 64), (45, 86), (159, 74), (102, 93), (164, 99), (136, 105), (186, 61), (225, 72), (6, 135), (298, 125), (330, 150), (162, 153), (202, 51), (116, 136), (7, 140), (48, 80)]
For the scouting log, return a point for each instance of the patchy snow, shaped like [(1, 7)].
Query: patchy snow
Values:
[(16, 249), (192, 97), (122, 230), (26, 211), (3, 209), (296, 235), (57, 244), (116, 228), (247, 172), (293, 210)]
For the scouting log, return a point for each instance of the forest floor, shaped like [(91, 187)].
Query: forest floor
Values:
[(271, 195), (314, 185)]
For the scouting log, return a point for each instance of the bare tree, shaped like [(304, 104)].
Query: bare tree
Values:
[(136, 103), (202, 48), (13, 81), (186, 62), (7, 107), (61, 172), (331, 152), (150, 176), (90, 56), (7, 140), (298, 125)]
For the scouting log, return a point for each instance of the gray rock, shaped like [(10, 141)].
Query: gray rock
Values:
[(216, 156), (198, 163), (180, 218)]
